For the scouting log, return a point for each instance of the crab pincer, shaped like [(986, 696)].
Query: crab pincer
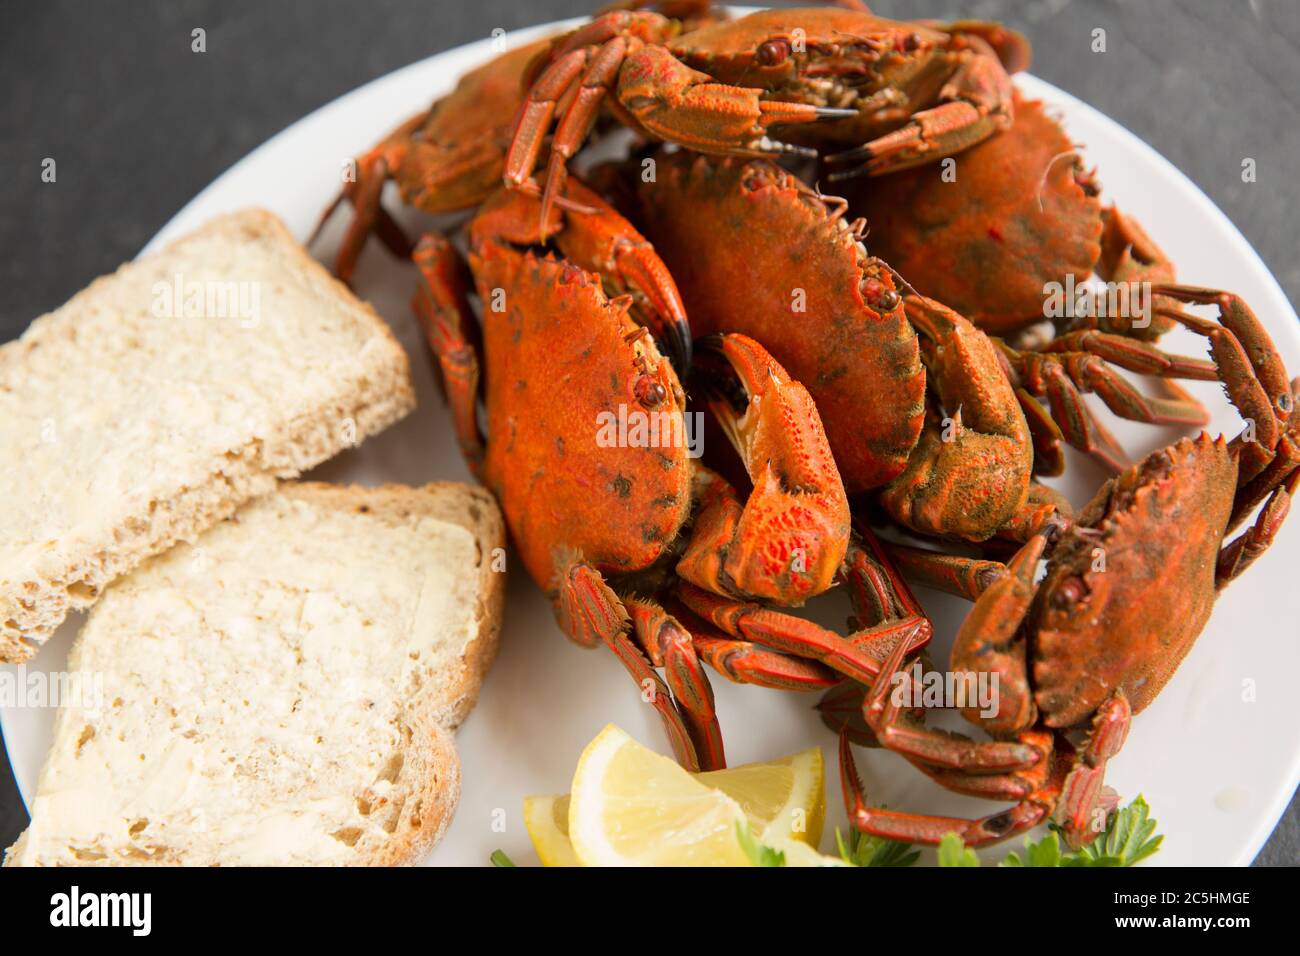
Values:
[(785, 543), (969, 475)]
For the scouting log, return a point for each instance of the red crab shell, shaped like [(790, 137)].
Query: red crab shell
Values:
[(559, 356), (743, 239), (1159, 527), (1021, 214)]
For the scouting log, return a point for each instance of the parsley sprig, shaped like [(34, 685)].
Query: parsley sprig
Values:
[(1129, 838), (862, 849)]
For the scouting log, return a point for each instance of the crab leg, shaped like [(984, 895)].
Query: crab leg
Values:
[(536, 114), (1089, 373), (669, 645), (1072, 416), (372, 171), (655, 92), (1253, 376), (575, 124), (684, 107), (744, 662), (442, 308), (1027, 770), (877, 593), (1248, 362), (1284, 462), (1071, 784), (1242, 551), (1049, 450), (923, 828), (857, 656), (988, 641), (883, 705), (876, 589), (1132, 354), (1030, 768), (589, 611), (950, 573), (1086, 357), (1237, 318)]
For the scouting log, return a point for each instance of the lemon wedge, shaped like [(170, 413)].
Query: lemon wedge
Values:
[(633, 807), (547, 822), (783, 800)]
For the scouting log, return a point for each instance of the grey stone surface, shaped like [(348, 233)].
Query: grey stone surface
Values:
[(138, 124)]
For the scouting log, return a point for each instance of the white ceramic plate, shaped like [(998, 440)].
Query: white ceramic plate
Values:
[(1217, 755)]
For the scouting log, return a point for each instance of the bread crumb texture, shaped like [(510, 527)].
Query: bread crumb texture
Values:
[(271, 695), (129, 420)]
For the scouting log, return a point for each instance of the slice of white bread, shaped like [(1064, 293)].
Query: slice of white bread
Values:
[(133, 417), (281, 691)]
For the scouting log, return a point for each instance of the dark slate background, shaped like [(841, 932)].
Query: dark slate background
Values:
[(138, 123)]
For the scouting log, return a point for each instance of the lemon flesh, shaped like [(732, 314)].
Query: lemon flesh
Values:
[(633, 807), (783, 799)]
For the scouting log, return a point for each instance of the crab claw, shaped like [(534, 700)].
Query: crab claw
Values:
[(640, 270), (591, 234), (603, 241), (969, 474), (788, 540), (676, 103), (607, 243)]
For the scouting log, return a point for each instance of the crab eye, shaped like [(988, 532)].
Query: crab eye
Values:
[(649, 391), (1069, 593), (773, 52), (879, 296)]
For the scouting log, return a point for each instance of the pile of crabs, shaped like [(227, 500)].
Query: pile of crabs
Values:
[(878, 361)]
